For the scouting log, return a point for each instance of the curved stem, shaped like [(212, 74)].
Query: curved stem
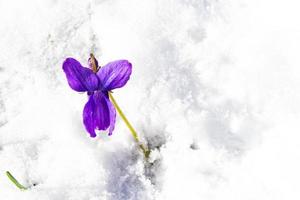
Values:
[(14, 180), (133, 132)]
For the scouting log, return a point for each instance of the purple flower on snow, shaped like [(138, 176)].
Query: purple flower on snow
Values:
[(98, 113)]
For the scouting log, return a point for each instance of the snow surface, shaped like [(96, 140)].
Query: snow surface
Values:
[(214, 92)]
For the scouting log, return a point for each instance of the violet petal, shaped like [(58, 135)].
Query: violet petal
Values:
[(112, 115), (114, 74), (80, 78), (88, 113), (96, 113)]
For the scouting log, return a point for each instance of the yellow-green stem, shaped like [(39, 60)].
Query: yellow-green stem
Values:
[(133, 132), (12, 179)]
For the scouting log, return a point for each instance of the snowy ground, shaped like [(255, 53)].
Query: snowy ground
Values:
[(215, 93)]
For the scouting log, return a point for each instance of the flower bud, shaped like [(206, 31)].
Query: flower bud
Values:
[(93, 63)]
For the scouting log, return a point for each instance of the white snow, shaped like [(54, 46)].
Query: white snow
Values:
[(215, 93)]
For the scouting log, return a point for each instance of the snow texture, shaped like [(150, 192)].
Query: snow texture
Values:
[(214, 92)]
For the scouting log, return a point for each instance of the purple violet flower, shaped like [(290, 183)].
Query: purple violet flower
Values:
[(98, 113)]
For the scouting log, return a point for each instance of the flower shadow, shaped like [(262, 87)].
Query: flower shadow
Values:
[(125, 174)]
